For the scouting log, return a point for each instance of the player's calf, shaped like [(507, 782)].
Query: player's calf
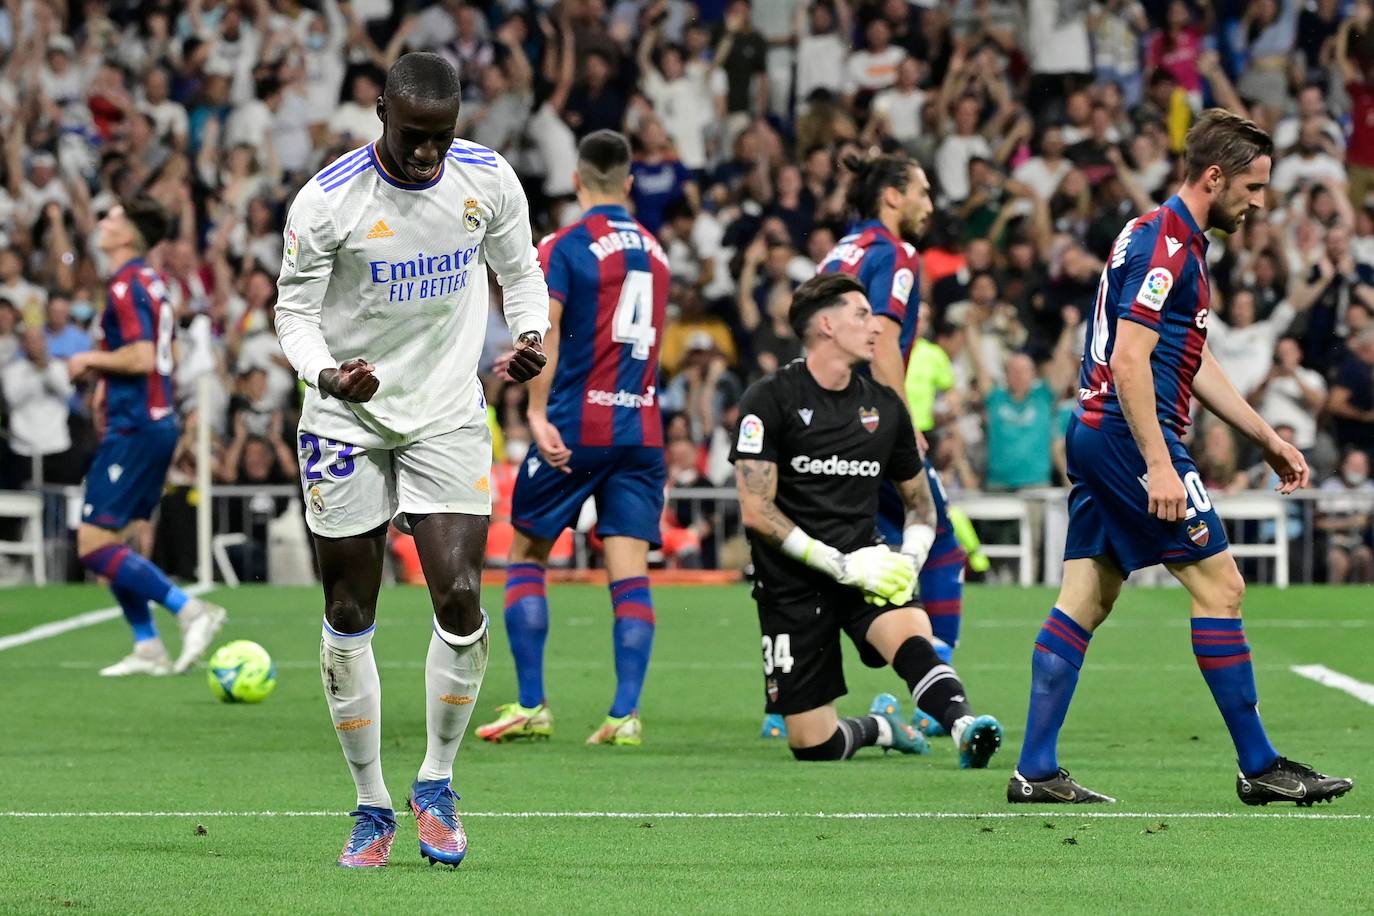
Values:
[(936, 688), (875, 730)]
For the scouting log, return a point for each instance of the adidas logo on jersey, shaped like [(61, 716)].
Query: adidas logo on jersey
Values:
[(380, 230)]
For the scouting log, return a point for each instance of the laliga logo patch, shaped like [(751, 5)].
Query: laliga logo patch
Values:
[(288, 256), (472, 216), (316, 500), (1155, 289), (1199, 534), (750, 440), (868, 416), (903, 282)]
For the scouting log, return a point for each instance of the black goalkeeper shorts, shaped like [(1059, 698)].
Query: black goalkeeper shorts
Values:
[(803, 667)]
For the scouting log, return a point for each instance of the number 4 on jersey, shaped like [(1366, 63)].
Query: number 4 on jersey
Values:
[(633, 322)]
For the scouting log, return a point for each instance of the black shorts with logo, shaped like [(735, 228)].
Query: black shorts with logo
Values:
[(803, 667)]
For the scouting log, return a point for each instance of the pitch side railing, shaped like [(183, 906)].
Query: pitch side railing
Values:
[(259, 532)]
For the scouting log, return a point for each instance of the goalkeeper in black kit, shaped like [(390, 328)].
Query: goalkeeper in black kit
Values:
[(815, 441)]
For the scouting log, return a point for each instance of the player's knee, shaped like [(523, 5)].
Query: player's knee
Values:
[(458, 603), (347, 615), (1229, 592), (89, 538)]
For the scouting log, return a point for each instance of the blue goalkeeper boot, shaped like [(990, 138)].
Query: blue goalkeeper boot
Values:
[(977, 739), (905, 739)]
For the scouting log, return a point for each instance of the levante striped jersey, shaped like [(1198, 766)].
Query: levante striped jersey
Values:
[(137, 308), (1157, 277), (611, 277), (887, 267)]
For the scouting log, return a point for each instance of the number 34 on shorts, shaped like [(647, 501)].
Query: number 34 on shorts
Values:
[(351, 490)]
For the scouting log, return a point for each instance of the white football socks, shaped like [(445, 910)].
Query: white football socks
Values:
[(453, 678), (354, 693)]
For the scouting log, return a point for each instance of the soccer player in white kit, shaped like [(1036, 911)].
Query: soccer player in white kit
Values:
[(382, 312)]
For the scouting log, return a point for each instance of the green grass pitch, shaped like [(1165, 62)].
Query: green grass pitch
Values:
[(1143, 728)]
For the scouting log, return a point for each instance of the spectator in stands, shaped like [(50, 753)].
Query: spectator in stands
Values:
[(64, 338), (741, 54), (29, 298), (692, 317), (823, 49), (660, 178), (1345, 516), (1351, 403), (704, 387), (1021, 419), (9, 339), (1218, 461), (1291, 395), (36, 389), (1238, 338)]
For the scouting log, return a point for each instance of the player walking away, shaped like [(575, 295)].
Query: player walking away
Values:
[(598, 433), (892, 196), (816, 440), (134, 365), (1137, 499), (382, 308)]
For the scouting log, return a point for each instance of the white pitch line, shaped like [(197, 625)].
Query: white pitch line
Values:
[(67, 624), (1059, 813), (1334, 679)]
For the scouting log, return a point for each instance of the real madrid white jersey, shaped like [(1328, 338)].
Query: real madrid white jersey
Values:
[(393, 272)]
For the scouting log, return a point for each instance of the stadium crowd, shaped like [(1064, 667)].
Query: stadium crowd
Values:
[(1044, 126)]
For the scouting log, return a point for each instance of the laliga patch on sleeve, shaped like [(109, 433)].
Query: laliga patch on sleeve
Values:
[(288, 255), (750, 440), (1155, 289), (903, 282)]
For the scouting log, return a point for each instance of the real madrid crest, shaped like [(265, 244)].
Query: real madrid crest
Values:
[(472, 216), (316, 500)]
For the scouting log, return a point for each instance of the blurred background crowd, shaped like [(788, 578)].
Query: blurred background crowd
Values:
[(1044, 125)]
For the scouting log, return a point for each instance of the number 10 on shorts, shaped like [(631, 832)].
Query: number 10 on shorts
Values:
[(777, 654)]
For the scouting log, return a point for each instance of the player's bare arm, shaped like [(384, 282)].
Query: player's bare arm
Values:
[(1135, 387), (1219, 395), (550, 441), (137, 358), (920, 504), (758, 487)]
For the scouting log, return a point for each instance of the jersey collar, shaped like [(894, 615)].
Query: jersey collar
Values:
[(876, 225), (401, 182), (1176, 204), (132, 262), (614, 211)]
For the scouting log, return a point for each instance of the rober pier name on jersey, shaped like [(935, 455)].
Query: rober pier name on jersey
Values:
[(625, 236), (424, 276)]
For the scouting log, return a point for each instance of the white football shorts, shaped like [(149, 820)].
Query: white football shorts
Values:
[(351, 490)]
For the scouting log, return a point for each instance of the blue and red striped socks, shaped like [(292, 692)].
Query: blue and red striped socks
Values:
[(634, 640), (1059, 651), (527, 627), (941, 587), (1224, 657), (135, 581)]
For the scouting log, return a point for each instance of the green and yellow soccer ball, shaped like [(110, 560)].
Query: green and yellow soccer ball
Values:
[(241, 672)]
